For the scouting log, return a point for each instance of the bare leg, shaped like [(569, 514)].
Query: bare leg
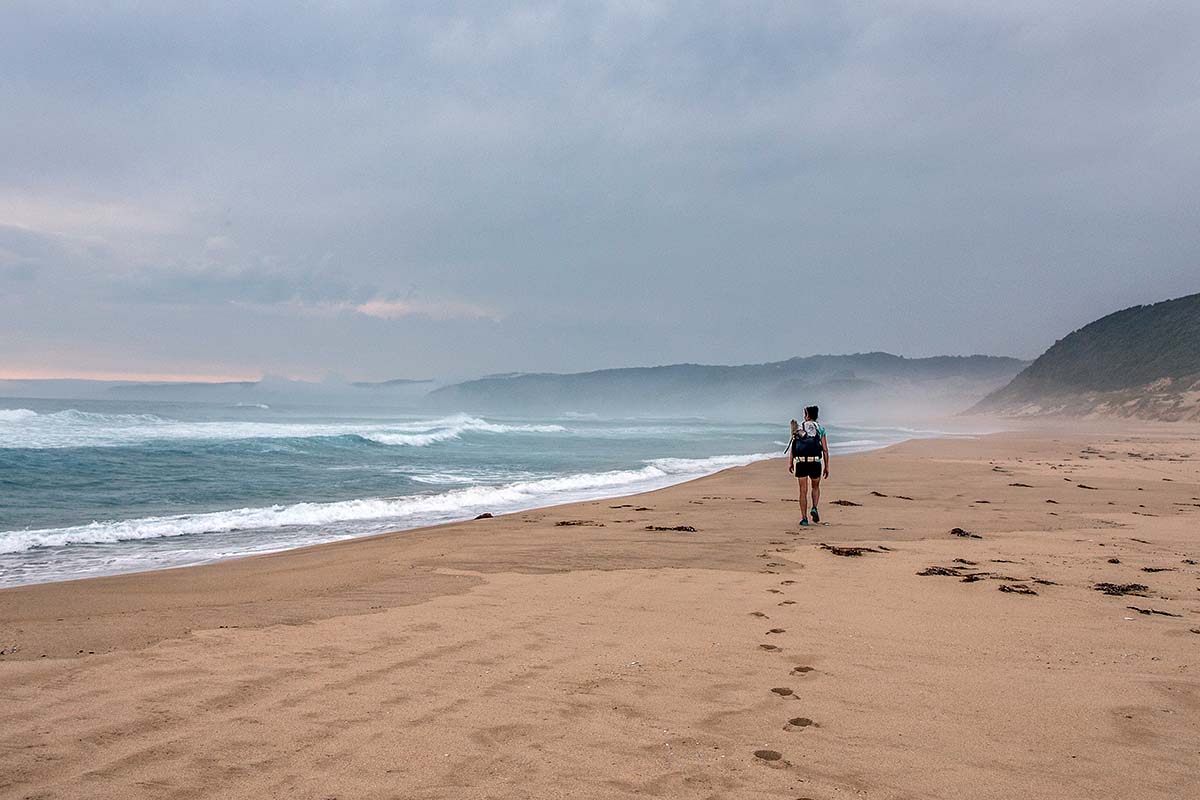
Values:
[(803, 497), (816, 492)]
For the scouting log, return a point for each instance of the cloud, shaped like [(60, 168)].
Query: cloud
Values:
[(443, 310), (578, 185)]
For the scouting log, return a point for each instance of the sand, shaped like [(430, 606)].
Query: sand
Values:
[(516, 657)]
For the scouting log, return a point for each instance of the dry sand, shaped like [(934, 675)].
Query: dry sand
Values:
[(518, 658)]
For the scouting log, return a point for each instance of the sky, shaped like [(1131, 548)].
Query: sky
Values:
[(443, 190)]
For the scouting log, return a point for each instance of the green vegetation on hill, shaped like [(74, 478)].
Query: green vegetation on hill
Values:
[(1142, 361)]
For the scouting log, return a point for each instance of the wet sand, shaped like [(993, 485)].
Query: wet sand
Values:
[(519, 657)]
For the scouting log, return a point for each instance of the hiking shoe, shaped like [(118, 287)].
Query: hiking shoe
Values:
[(815, 516), (804, 522)]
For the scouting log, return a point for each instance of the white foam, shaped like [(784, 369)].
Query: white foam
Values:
[(408, 511), (74, 428)]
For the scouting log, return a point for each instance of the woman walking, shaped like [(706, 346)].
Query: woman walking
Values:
[(809, 461)]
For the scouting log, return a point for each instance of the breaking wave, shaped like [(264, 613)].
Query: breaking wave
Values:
[(22, 428), (361, 515)]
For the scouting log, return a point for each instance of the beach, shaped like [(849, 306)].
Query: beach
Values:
[(692, 641)]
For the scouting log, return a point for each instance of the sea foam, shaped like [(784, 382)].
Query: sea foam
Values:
[(22, 428), (406, 511)]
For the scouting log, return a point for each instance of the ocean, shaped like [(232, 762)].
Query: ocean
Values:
[(96, 488)]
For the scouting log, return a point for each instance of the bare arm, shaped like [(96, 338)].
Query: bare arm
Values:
[(825, 456)]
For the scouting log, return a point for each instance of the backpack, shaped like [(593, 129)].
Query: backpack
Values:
[(807, 443)]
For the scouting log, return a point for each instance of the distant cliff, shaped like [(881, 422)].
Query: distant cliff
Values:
[(863, 382), (1141, 362)]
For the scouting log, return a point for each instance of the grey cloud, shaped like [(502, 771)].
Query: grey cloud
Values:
[(617, 182)]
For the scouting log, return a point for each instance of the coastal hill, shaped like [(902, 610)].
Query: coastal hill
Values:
[(1141, 362), (863, 383)]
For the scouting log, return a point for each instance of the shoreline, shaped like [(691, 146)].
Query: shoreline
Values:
[(634, 487), (571, 648), (649, 485)]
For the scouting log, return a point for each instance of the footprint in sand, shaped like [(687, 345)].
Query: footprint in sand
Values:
[(775, 591), (758, 614), (772, 757), (800, 670), (783, 691), (786, 583), (799, 723), (770, 648), (777, 630), (788, 603)]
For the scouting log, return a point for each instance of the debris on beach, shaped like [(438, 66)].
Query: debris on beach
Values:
[(1021, 485), (485, 515), (591, 523), (845, 503), (1119, 589), (684, 528), (878, 494), (1158, 569), (849, 552), (960, 572), (953, 572), (1016, 588), (965, 534), (1149, 611), (1114, 561)]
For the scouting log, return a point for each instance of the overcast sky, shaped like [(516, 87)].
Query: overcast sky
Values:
[(380, 190)]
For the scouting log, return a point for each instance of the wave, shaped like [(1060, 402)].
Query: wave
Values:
[(74, 428), (343, 516)]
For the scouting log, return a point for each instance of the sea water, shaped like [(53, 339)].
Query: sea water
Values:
[(93, 488)]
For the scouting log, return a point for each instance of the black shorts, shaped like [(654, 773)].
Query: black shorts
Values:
[(808, 469)]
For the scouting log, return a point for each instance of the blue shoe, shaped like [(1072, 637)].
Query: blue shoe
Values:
[(816, 517), (804, 522)]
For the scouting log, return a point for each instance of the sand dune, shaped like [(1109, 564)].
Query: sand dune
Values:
[(877, 655)]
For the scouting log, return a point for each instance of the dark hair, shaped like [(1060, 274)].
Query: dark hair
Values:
[(811, 412)]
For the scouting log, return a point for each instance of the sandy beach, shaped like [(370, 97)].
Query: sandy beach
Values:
[(594, 651)]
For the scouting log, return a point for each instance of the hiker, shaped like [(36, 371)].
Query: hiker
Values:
[(808, 460)]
